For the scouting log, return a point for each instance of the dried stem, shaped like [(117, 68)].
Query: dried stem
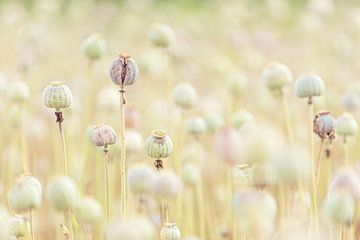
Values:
[(123, 152), (31, 224), (319, 161), (107, 182), (59, 120), (288, 124)]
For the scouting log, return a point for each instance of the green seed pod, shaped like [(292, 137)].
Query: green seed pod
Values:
[(241, 118), (190, 174), (62, 194), (141, 179), (214, 121), (89, 211), (93, 47), (57, 95), (276, 76), (236, 84), (346, 125), (124, 71), (158, 145), (309, 86), (161, 35), (19, 92), (103, 135), (170, 232), (184, 95), (339, 207), (195, 125), (18, 226), (25, 194)]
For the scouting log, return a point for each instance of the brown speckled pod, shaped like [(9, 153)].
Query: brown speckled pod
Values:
[(124, 71)]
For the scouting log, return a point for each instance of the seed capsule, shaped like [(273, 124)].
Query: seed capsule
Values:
[(161, 35), (25, 194), (141, 179), (195, 125), (227, 143), (309, 86), (18, 226), (237, 84), (324, 126), (57, 95), (184, 95), (124, 71), (62, 194), (346, 125), (93, 47), (103, 135), (167, 185), (132, 229), (170, 232), (89, 211), (276, 76), (339, 207), (19, 91), (158, 145)]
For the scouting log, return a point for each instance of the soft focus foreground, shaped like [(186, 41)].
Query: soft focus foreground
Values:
[(193, 120)]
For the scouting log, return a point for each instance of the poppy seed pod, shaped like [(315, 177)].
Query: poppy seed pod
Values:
[(25, 194), (158, 145), (184, 95), (134, 141), (141, 179), (167, 185), (18, 91), (346, 125), (62, 194), (324, 126), (170, 232), (241, 117), (236, 84), (93, 47), (103, 135), (132, 117), (161, 35), (227, 145), (18, 226), (309, 86), (195, 125), (57, 95), (190, 174), (339, 207), (214, 121), (276, 76), (124, 71), (89, 211), (131, 229), (346, 180)]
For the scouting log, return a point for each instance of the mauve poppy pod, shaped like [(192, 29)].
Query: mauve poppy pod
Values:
[(124, 71)]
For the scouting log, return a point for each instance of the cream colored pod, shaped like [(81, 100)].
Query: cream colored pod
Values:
[(346, 125), (184, 95), (18, 226), (309, 86), (161, 35), (167, 185), (57, 95), (18, 92), (25, 194), (236, 84), (131, 229), (276, 76), (339, 207), (241, 118), (170, 232), (190, 174), (89, 211), (62, 194), (134, 141), (103, 135), (227, 145), (141, 179), (195, 125), (124, 71), (94, 46)]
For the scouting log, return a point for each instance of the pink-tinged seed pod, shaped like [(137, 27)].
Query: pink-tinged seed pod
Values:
[(170, 232), (324, 126), (103, 135), (346, 180), (141, 179), (227, 145), (25, 194), (132, 117), (167, 185), (124, 71)]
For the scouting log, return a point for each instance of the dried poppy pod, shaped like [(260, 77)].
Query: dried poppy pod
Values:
[(57, 95), (276, 76), (18, 226), (161, 35), (93, 47), (324, 126), (346, 125), (103, 135), (158, 146), (309, 86), (124, 71), (62, 194), (25, 194), (170, 232)]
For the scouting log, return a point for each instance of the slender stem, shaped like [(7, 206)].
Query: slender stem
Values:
[(23, 141), (200, 199), (166, 209), (107, 182), (60, 120), (319, 161), (288, 124), (123, 153), (347, 151), (90, 92), (70, 225), (31, 224)]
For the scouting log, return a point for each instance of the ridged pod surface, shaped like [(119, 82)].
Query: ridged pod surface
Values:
[(158, 145), (309, 86), (346, 125), (129, 69), (170, 232), (57, 95), (276, 76), (103, 135)]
